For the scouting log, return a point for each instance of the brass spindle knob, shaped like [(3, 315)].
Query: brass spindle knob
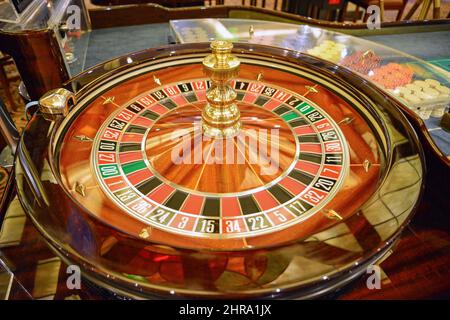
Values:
[(221, 116)]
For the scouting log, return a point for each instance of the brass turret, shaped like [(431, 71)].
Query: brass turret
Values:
[(221, 116)]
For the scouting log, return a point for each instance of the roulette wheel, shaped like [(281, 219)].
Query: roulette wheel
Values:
[(213, 171)]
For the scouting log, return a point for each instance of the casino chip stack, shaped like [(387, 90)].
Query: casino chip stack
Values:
[(392, 75), (426, 97), (328, 50), (362, 61)]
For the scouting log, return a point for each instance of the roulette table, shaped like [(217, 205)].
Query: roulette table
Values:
[(209, 170)]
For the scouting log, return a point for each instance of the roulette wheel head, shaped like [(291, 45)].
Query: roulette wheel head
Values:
[(212, 171)]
